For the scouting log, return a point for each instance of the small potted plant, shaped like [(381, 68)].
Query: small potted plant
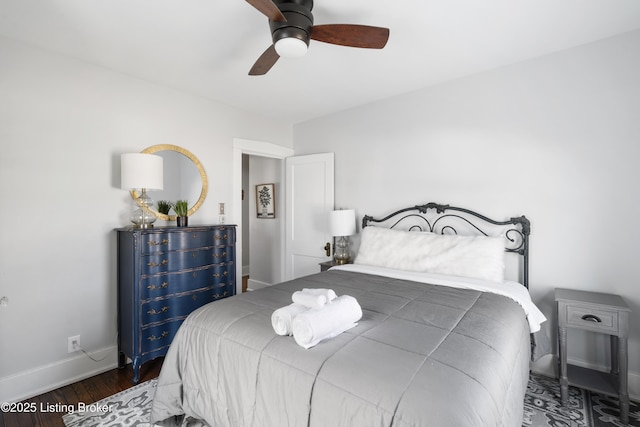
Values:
[(181, 207), (164, 206)]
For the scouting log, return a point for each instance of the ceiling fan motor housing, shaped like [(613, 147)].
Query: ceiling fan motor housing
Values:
[(299, 20)]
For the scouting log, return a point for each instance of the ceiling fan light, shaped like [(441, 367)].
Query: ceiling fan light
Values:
[(291, 47)]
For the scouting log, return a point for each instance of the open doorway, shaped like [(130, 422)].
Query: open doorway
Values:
[(267, 161), (262, 245)]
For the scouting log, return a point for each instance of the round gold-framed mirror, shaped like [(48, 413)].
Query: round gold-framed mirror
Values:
[(184, 178)]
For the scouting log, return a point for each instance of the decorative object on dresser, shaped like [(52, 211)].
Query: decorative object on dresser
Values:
[(163, 275), (140, 171), (599, 313), (186, 178), (181, 207), (342, 224)]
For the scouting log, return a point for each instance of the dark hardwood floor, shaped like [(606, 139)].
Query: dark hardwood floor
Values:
[(87, 391)]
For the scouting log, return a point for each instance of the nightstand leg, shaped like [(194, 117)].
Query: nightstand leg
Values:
[(623, 362), (615, 368), (562, 355)]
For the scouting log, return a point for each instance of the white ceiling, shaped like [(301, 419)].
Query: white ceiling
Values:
[(206, 47)]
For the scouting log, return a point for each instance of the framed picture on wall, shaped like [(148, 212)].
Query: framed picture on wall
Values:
[(266, 200)]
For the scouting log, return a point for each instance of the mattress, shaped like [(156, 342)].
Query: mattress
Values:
[(423, 354)]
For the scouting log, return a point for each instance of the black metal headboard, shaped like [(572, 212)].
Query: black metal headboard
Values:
[(450, 219)]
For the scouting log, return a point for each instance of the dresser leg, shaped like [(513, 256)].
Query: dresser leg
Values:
[(562, 355), (122, 360), (136, 370)]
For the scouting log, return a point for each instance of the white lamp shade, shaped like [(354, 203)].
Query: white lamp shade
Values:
[(342, 222), (140, 170)]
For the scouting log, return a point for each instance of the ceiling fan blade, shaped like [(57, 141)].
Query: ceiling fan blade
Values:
[(351, 35), (269, 9), (268, 58)]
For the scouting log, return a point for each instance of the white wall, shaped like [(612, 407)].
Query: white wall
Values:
[(63, 126), (556, 139)]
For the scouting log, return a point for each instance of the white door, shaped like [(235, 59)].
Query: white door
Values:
[(309, 199)]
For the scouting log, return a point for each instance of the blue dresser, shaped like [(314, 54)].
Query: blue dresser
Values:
[(165, 273)]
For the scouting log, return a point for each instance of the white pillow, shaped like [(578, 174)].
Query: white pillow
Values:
[(479, 257)]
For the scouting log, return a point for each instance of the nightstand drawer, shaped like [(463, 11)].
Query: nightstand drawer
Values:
[(592, 319)]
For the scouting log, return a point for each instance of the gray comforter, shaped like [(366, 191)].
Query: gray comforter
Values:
[(422, 355)]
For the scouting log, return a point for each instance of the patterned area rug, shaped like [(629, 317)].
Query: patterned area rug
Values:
[(542, 408), (130, 407)]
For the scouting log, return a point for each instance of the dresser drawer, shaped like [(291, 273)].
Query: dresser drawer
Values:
[(171, 241), (166, 241), (158, 336), (165, 284), (179, 260), (591, 318), (160, 310)]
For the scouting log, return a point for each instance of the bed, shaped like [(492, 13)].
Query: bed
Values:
[(436, 345)]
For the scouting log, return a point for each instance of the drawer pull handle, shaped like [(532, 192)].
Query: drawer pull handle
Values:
[(155, 264), (153, 311), (591, 318), (154, 243), (154, 287), (154, 338)]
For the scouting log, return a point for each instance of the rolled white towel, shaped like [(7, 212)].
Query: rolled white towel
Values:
[(282, 318), (327, 293), (313, 326), (309, 300)]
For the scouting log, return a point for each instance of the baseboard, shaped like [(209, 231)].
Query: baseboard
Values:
[(549, 366), (254, 285), (43, 379)]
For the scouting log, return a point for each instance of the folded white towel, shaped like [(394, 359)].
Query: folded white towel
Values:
[(313, 298), (328, 293), (282, 318), (315, 325), (309, 300)]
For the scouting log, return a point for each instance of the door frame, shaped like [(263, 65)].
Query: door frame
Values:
[(252, 148)]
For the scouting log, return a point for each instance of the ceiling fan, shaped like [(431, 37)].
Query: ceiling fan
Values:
[(291, 23)]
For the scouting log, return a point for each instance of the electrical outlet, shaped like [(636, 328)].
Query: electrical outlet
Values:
[(221, 208), (73, 344)]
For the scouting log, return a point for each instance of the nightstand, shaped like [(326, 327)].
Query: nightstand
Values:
[(599, 313), (324, 266)]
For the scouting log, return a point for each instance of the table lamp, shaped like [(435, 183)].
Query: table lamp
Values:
[(140, 171), (342, 224)]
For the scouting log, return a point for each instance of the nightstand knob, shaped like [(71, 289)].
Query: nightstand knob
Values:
[(591, 318)]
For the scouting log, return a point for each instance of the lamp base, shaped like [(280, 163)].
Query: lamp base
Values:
[(143, 216), (143, 226), (341, 255)]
